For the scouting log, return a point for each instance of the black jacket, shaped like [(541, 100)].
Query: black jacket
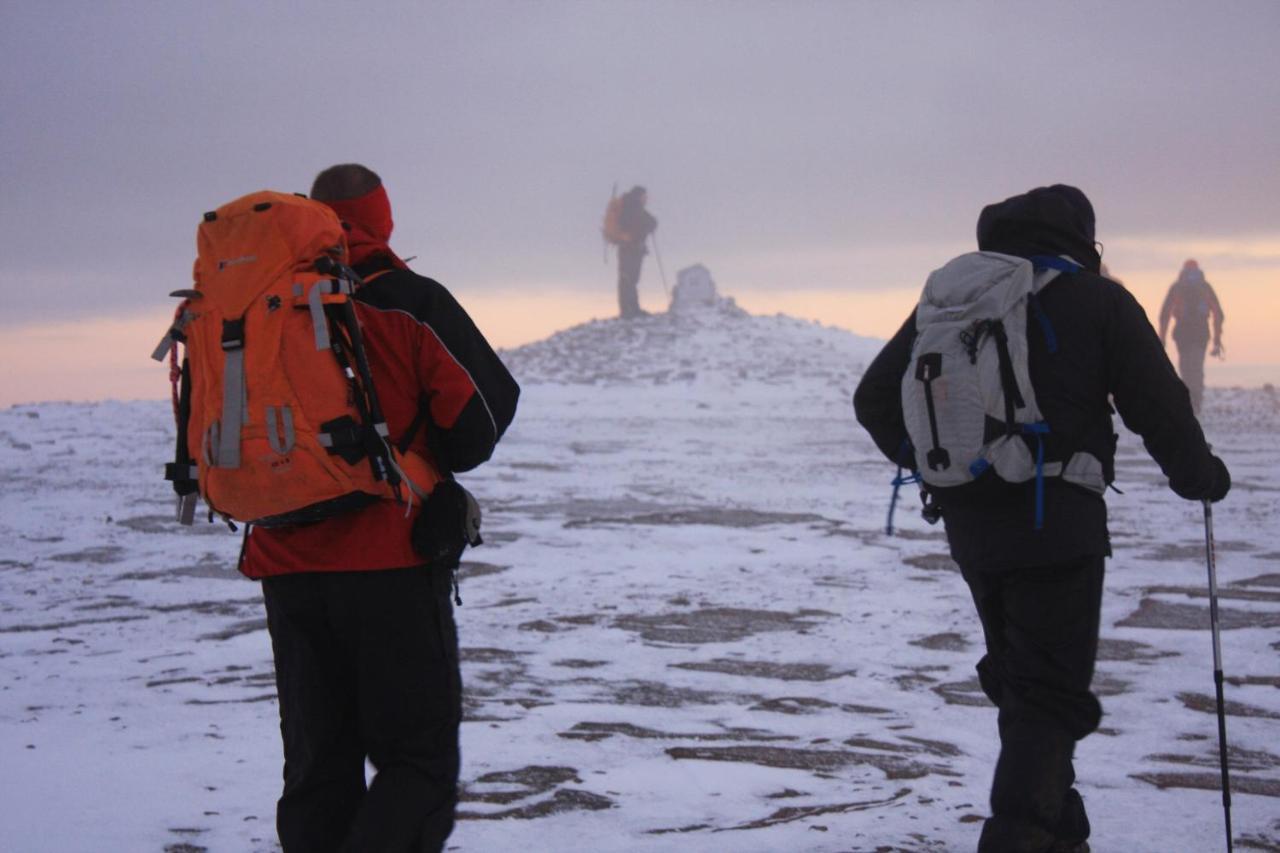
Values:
[(425, 349), (636, 221), (1106, 347)]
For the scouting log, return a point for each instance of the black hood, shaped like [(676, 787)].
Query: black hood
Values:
[(1056, 220)]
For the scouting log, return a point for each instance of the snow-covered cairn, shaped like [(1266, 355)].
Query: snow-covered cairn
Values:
[(695, 292)]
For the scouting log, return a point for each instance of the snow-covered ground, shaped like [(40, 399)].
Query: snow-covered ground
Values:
[(687, 630)]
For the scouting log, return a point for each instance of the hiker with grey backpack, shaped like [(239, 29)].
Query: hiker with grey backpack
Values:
[(996, 392)]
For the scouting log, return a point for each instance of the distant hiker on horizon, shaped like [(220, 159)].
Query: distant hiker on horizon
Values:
[(1190, 304), (627, 225), (995, 390)]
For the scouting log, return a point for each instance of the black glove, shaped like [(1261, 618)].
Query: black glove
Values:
[(448, 523), (1221, 481)]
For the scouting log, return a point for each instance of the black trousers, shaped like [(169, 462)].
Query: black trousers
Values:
[(1041, 629), (1191, 352), (630, 259), (366, 668)]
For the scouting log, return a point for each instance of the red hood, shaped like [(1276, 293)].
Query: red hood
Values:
[(369, 224)]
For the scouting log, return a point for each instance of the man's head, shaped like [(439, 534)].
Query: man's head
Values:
[(344, 181), (638, 195), (1191, 272), (356, 194), (1050, 220)]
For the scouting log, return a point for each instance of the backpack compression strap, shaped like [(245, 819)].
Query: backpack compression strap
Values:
[(929, 368), (1013, 399), (234, 394), (355, 364)]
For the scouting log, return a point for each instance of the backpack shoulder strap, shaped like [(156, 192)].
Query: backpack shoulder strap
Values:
[(1042, 263), (1054, 262)]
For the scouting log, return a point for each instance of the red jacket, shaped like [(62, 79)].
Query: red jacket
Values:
[(423, 349)]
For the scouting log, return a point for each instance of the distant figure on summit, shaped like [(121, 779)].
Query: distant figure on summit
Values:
[(627, 225), (1190, 303)]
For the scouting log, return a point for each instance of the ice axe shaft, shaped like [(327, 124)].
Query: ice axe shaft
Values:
[(658, 257), (1211, 561)]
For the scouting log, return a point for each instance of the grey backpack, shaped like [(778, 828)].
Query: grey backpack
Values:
[(966, 397)]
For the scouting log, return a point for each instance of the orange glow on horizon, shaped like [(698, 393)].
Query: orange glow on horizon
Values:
[(107, 358)]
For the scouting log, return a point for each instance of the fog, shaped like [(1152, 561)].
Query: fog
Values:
[(834, 151)]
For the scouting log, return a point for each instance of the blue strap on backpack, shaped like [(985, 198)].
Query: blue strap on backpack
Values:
[(1051, 262), (1041, 429)]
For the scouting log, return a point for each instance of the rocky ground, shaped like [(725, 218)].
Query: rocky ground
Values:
[(687, 629)]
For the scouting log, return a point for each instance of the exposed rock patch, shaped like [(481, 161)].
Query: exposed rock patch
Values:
[(716, 624)]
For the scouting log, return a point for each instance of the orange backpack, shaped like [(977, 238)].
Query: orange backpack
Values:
[(612, 227), (278, 419)]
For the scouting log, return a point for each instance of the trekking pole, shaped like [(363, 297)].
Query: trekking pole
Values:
[(1211, 560), (658, 257)]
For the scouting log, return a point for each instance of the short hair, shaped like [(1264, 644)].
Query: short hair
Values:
[(344, 181)]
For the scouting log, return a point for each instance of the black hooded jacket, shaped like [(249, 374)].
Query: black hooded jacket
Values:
[(1106, 348)]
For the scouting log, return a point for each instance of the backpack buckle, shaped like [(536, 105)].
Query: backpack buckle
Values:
[(233, 334)]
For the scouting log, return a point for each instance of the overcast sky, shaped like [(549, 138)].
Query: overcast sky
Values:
[(846, 145)]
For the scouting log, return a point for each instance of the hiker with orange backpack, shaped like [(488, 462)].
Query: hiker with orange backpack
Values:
[(328, 395), (627, 225), (1191, 304)]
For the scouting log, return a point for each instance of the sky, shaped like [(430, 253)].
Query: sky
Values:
[(819, 157)]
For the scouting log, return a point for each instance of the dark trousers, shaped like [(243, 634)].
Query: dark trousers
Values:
[(366, 668), (1041, 630), (1191, 366), (630, 259)]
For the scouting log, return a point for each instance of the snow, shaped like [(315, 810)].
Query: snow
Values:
[(687, 629)]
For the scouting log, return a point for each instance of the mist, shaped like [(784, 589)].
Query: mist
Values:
[(834, 151)]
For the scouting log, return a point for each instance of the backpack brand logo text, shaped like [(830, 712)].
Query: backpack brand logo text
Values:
[(244, 259)]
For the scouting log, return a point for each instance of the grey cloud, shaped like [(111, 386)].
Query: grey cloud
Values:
[(500, 126)]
